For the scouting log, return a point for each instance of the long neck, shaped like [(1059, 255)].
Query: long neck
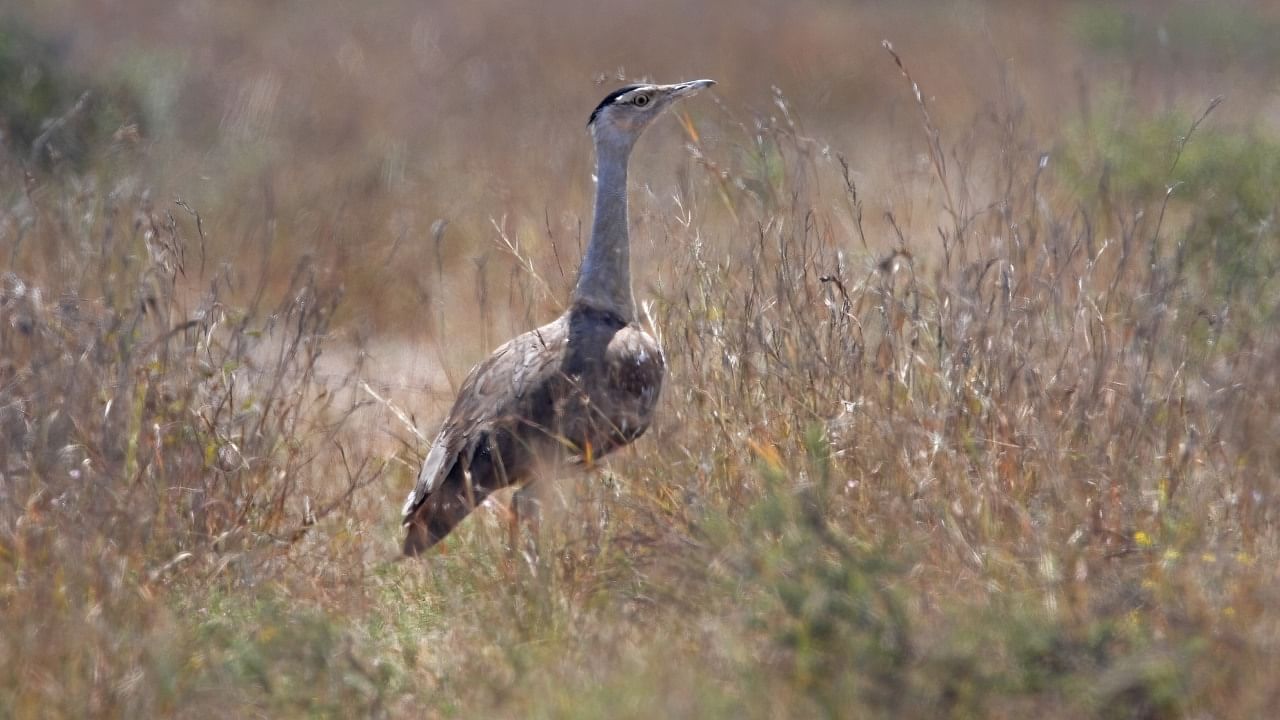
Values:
[(604, 282)]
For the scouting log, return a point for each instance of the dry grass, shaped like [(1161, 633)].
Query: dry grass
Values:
[(972, 419)]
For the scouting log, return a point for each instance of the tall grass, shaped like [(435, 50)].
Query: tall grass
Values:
[(151, 434), (1001, 448)]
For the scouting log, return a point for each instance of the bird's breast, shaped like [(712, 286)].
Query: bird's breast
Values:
[(617, 385)]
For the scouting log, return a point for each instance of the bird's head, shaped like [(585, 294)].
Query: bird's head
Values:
[(623, 115)]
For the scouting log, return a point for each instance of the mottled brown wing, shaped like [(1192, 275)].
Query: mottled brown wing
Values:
[(497, 389)]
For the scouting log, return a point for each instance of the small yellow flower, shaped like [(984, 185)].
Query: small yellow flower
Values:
[(1143, 539)]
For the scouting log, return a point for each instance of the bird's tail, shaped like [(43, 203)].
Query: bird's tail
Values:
[(417, 539), (439, 513)]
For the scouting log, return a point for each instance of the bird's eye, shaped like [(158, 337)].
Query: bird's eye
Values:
[(641, 100)]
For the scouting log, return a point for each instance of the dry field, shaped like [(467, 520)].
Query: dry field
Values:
[(974, 370)]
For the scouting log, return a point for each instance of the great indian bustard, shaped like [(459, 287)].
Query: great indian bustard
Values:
[(581, 386)]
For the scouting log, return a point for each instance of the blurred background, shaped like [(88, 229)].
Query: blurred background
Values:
[(355, 129), (394, 143)]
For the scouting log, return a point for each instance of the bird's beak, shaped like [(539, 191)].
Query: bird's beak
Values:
[(686, 89)]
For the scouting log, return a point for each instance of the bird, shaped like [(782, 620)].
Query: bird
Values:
[(575, 389)]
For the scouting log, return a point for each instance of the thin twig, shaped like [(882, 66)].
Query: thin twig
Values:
[(42, 139)]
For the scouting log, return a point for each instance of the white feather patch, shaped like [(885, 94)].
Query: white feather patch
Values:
[(428, 477)]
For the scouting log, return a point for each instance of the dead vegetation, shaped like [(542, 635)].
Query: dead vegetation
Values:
[(992, 443)]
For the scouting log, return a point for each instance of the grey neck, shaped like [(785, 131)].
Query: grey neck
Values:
[(604, 281)]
